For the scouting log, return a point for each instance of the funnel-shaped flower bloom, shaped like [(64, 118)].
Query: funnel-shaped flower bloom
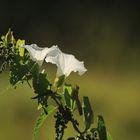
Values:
[(66, 63), (37, 54)]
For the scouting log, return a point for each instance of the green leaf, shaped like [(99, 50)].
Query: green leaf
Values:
[(39, 122), (20, 70), (87, 111), (69, 98), (109, 136), (35, 70), (77, 102), (67, 94), (101, 128), (59, 81), (18, 44), (2, 38), (58, 95), (40, 83), (9, 38), (39, 106), (68, 87)]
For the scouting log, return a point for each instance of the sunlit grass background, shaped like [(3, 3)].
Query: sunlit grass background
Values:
[(106, 36)]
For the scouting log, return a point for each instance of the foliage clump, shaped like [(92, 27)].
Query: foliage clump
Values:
[(66, 97)]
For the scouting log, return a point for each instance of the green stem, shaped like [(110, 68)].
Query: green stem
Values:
[(54, 98), (75, 126)]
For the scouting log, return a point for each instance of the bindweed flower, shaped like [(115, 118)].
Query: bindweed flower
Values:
[(37, 54), (66, 63)]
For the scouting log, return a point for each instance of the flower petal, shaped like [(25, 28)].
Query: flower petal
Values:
[(36, 53), (66, 63), (52, 55)]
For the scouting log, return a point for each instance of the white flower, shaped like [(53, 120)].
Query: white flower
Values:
[(66, 63), (37, 54)]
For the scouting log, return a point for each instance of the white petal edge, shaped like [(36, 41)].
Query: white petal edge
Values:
[(66, 63)]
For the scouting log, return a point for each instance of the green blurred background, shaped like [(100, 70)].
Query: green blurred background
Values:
[(105, 35)]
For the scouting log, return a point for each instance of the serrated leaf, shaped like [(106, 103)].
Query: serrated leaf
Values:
[(101, 128), (87, 111), (39, 122)]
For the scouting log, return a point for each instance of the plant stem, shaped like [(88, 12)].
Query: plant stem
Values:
[(55, 99), (75, 126), (72, 119)]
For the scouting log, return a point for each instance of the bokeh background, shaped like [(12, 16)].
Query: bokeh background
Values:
[(105, 35)]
